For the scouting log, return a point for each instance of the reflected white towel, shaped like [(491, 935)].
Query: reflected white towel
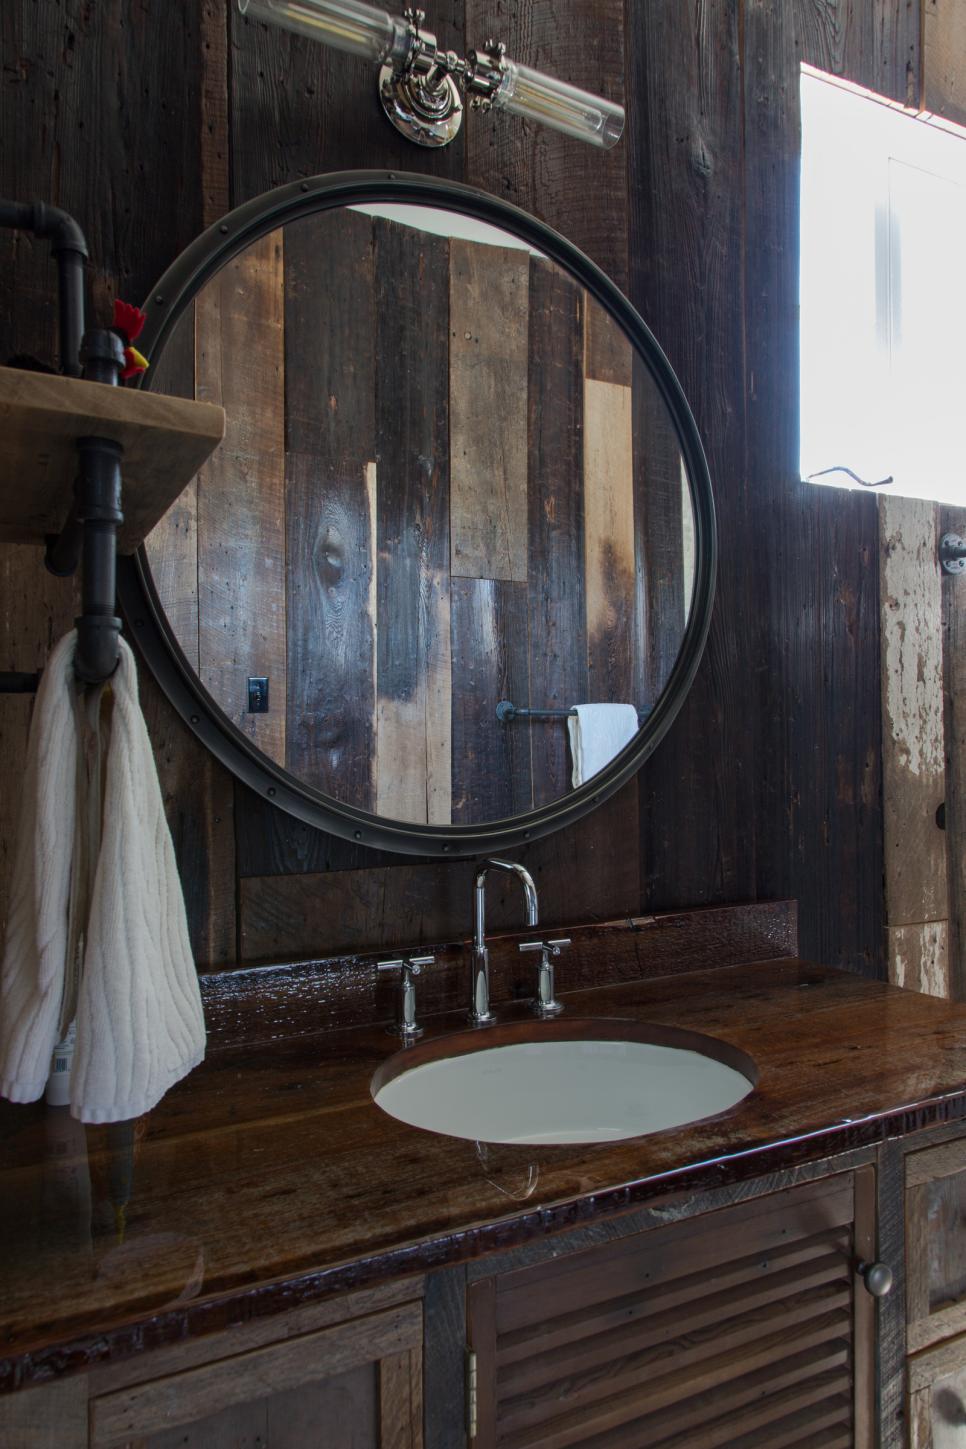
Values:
[(598, 732), (140, 1025)]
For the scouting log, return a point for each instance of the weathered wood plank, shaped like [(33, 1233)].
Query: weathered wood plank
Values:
[(608, 356), (557, 629), (609, 562), (330, 505), (663, 540), (913, 758), (413, 724), (686, 240), (917, 957), (444, 1366), (50, 1417), (953, 520), (492, 762), (148, 1408), (241, 492), (944, 59), (330, 725), (488, 411)]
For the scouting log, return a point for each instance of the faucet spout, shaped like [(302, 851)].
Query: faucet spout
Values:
[(480, 1013)]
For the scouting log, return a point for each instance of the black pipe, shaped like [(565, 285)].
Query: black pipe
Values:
[(13, 682), (64, 548), (99, 508), (70, 249)]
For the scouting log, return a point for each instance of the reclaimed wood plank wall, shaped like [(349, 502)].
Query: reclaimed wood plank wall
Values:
[(318, 538), (148, 123)]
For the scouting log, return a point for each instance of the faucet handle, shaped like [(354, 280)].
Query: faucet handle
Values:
[(553, 947), (407, 1026), (409, 965), (416, 963), (546, 1003)]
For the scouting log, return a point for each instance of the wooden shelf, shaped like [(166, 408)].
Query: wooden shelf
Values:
[(165, 441)]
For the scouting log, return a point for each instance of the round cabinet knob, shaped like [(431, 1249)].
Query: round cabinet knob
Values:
[(877, 1278)]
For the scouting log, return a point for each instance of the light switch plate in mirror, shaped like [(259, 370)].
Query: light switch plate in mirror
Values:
[(458, 470)]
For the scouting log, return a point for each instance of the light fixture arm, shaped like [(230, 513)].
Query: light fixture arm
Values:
[(422, 88)]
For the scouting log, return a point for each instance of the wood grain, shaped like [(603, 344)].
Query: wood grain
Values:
[(685, 175), (413, 730), (953, 520), (199, 1392), (355, 1197), (677, 1335), (913, 755), (492, 762), (580, 190), (241, 493), (50, 1417), (165, 442), (918, 957), (267, 1003), (556, 605), (444, 1394), (816, 557), (663, 540), (488, 411), (944, 60), (609, 542)]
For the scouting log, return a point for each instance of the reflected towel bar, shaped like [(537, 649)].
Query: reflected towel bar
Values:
[(507, 711)]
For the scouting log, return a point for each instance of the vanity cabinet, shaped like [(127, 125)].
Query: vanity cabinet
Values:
[(743, 1327)]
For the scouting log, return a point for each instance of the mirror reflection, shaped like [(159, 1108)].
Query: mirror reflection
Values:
[(449, 492)]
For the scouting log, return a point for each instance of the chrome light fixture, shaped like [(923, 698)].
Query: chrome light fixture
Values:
[(423, 89)]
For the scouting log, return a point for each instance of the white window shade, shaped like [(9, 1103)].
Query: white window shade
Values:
[(883, 295)]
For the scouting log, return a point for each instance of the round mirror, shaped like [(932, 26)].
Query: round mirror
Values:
[(447, 579)]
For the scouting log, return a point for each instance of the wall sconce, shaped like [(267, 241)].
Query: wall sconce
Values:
[(422, 89)]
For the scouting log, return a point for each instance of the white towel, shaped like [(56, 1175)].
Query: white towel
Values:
[(140, 1024), (598, 732)]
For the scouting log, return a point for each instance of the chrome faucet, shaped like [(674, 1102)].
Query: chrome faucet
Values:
[(480, 1013)]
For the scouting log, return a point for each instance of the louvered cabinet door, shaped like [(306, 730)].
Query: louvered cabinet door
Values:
[(744, 1328)]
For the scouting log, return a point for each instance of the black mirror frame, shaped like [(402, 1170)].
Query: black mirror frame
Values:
[(146, 619)]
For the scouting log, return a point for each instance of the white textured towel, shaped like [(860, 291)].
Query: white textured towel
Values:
[(140, 1024), (598, 732)]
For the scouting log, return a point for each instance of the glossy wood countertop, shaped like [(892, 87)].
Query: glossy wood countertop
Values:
[(271, 1165)]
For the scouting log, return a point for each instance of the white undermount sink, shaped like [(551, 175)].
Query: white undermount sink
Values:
[(560, 1082)]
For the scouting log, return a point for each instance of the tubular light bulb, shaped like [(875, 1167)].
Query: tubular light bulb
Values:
[(348, 25), (539, 97)]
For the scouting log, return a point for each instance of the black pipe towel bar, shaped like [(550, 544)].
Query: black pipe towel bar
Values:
[(506, 711)]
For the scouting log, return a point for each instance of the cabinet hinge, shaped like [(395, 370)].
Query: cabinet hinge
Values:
[(471, 1394)]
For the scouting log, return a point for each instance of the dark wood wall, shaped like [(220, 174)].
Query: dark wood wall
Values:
[(149, 120)]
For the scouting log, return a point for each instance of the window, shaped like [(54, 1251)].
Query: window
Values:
[(882, 294)]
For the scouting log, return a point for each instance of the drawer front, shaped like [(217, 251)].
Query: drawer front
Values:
[(935, 1244)]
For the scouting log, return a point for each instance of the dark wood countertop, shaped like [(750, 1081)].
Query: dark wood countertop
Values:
[(269, 1175)]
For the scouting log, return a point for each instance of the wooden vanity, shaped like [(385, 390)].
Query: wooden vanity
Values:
[(299, 1267)]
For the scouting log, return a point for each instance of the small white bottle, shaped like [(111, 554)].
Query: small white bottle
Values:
[(58, 1083)]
